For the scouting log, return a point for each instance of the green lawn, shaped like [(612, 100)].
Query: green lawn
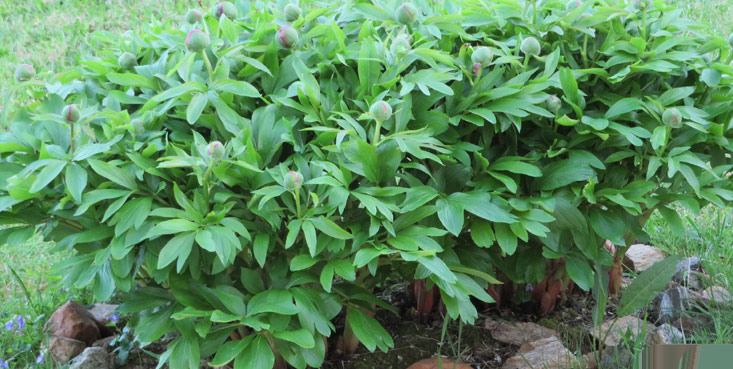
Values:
[(53, 34)]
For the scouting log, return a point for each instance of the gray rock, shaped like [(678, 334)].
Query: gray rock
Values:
[(612, 331), (640, 257), (689, 273), (616, 357), (716, 295), (547, 353), (665, 334), (517, 333), (103, 313), (671, 304), (93, 358), (64, 349)]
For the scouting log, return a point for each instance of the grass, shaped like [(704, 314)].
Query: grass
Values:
[(54, 34)]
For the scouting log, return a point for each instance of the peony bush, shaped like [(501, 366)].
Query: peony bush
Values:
[(245, 182)]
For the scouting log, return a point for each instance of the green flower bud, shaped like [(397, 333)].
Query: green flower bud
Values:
[(70, 113), (215, 150), (24, 72), (406, 13), (225, 8), (672, 117), (572, 4), (530, 46), (197, 40), (293, 180), (193, 16), (127, 60), (400, 45), (553, 103), (287, 37), (482, 55), (381, 111), (292, 12), (639, 4)]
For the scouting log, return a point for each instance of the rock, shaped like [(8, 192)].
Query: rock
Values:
[(672, 303), (64, 349), (104, 343), (433, 364), (547, 353), (689, 273), (716, 295), (73, 321), (616, 357), (93, 358), (589, 361), (640, 257), (699, 322), (103, 313), (665, 334), (517, 333), (613, 330)]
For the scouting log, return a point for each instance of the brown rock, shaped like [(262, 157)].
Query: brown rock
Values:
[(613, 330), (589, 361), (64, 349), (73, 321), (104, 343), (433, 364), (640, 257), (716, 294), (547, 353), (665, 334), (517, 333)]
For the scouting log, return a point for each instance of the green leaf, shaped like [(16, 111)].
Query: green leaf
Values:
[(239, 88), (482, 234), (76, 181), (609, 225), (230, 350), (172, 226), (623, 106), (580, 272), (676, 225), (711, 77), (300, 337), (272, 301), (569, 85), (437, 267), (256, 355), (330, 228), (450, 214), (650, 282), (47, 174), (178, 247), (129, 79), (196, 107), (505, 238), (260, 247), (113, 173), (369, 332), (310, 237)]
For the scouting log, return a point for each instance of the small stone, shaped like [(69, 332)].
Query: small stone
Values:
[(716, 294), (619, 327), (64, 349), (73, 321), (665, 334), (547, 353), (616, 357), (433, 364), (93, 358), (672, 303), (517, 333), (640, 257)]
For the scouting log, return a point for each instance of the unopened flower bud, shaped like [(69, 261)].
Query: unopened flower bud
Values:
[(24, 72), (127, 60), (215, 150), (406, 13), (553, 103), (381, 111), (292, 12), (70, 113), (193, 16), (639, 4), (287, 37), (225, 8), (482, 55), (672, 117), (400, 45), (530, 46), (293, 180), (197, 40)]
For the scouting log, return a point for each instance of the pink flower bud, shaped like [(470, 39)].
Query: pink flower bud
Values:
[(293, 180)]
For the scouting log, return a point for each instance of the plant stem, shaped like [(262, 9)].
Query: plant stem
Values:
[(208, 65), (71, 142), (296, 195), (377, 130), (205, 183)]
